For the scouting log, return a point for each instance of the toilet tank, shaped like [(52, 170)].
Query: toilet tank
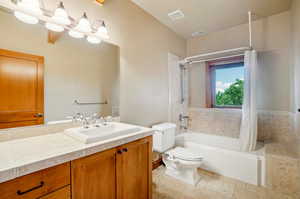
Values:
[(164, 137)]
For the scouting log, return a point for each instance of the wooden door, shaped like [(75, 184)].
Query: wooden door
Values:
[(21, 89), (134, 170), (94, 177)]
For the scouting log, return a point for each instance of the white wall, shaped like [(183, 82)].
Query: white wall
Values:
[(272, 38), (74, 69)]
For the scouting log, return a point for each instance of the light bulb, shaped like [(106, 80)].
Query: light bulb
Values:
[(93, 40), (76, 34), (61, 16), (26, 18), (84, 25), (30, 6), (102, 31), (54, 27)]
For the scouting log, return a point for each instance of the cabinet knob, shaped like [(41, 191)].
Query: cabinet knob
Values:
[(125, 150), (119, 152)]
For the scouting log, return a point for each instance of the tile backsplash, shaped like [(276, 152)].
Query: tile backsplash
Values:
[(215, 121), (272, 125)]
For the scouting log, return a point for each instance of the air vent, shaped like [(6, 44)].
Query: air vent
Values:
[(176, 15), (199, 33)]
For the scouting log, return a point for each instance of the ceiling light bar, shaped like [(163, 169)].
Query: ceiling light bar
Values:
[(29, 11)]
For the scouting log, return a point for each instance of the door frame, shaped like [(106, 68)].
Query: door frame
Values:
[(40, 77)]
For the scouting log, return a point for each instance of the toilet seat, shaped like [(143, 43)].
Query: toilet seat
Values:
[(184, 155)]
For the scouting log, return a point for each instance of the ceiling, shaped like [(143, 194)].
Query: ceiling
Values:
[(210, 15)]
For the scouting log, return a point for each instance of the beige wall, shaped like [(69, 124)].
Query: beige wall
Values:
[(74, 69), (272, 38), (197, 90), (144, 45)]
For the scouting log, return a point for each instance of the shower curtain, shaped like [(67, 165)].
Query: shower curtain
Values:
[(248, 131)]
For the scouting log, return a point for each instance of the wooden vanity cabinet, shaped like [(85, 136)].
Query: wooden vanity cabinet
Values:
[(134, 170), (124, 172), (63, 193), (94, 177), (37, 184)]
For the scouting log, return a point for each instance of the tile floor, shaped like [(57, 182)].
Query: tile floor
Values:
[(211, 186)]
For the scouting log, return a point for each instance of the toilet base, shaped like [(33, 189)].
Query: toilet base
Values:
[(187, 175)]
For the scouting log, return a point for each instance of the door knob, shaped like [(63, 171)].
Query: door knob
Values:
[(38, 115)]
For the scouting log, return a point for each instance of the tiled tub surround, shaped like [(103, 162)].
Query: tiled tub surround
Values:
[(215, 121), (29, 149), (275, 129), (272, 125)]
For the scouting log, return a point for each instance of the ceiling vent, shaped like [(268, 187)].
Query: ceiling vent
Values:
[(176, 15), (199, 33)]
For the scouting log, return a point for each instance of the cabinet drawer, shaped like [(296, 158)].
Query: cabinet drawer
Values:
[(37, 184), (64, 193)]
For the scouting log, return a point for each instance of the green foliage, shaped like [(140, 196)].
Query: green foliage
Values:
[(232, 96)]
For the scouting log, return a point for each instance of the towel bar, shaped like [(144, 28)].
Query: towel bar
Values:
[(94, 103)]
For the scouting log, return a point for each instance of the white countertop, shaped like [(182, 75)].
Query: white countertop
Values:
[(24, 156)]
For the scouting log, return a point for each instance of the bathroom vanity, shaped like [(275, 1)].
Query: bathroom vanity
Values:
[(115, 168)]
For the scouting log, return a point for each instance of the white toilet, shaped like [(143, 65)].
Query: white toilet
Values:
[(181, 163)]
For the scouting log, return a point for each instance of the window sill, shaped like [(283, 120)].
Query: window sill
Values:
[(228, 107)]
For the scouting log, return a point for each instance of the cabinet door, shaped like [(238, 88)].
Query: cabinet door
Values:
[(94, 177), (134, 170), (64, 193)]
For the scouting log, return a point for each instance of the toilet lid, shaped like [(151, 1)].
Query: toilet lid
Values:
[(185, 154)]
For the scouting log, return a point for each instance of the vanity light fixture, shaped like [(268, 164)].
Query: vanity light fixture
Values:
[(93, 40), (102, 31), (30, 11), (76, 34), (83, 25), (54, 27), (29, 6), (60, 17)]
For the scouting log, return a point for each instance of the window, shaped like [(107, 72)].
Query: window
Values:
[(226, 83)]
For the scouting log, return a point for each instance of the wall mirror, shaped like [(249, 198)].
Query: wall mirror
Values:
[(42, 82)]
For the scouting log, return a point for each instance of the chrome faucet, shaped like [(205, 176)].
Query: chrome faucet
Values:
[(85, 120), (183, 118)]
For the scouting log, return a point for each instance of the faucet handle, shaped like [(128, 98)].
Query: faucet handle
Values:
[(109, 119)]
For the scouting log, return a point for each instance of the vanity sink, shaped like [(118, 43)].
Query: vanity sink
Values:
[(101, 132)]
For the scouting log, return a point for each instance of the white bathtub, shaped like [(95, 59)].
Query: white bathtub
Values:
[(222, 156)]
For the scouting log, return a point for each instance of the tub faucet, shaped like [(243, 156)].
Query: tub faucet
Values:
[(183, 117)]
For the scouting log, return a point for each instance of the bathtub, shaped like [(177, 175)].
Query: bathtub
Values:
[(222, 155)]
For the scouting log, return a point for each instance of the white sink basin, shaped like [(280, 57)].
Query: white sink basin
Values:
[(101, 132)]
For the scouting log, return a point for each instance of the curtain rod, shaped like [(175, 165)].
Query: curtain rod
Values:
[(201, 61), (188, 59)]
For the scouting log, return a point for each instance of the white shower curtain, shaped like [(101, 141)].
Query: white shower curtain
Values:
[(248, 131)]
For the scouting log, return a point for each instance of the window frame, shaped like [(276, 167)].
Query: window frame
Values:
[(211, 67)]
